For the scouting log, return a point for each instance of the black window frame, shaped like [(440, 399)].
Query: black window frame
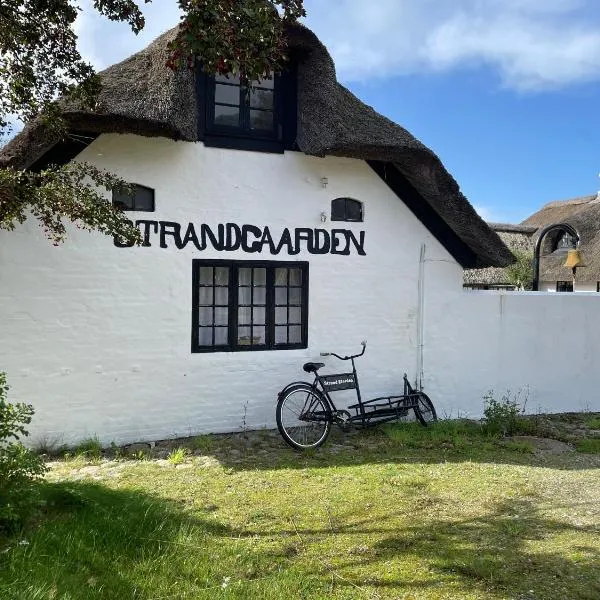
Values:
[(338, 214), (233, 305), (562, 286), (118, 200), (285, 106)]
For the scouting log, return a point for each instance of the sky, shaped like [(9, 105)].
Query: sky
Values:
[(506, 92)]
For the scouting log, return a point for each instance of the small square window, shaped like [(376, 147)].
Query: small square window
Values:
[(142, 199)]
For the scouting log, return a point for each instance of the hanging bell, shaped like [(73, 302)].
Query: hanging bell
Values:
[(574, 259)]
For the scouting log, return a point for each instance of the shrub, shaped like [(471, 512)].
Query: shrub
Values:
[(19, 467), (176, 457), (502, 417)]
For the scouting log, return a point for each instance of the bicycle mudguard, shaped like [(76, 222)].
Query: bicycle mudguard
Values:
[(293, 384)]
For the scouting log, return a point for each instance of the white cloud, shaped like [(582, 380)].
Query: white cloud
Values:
[(531, 44)]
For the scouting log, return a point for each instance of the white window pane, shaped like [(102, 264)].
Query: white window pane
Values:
[(281, 276), (295, 295), (296, 316), (244, 336), (221, 336), (260, 295), (221, 316), (222, 296), (206, 275), (295, 335), (227, 94), (281, 335), (222, 276), (227, 115), (267, 82), (205, 337), (258, 316), (244, 315), (258, 336), (245, 276), (206, 295), (244, 295), (261, 120), (295, 277), (281, 316), (205, 316), (280, 296), (261, 99), (229, 78), (260, 277)]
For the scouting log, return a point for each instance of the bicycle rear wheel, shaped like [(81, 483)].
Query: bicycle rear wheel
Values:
[(303, 417), (424, 410)]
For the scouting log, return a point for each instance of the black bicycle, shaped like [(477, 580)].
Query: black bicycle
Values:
[(305, 411)]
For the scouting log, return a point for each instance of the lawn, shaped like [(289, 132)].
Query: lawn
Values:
[(396, 513)]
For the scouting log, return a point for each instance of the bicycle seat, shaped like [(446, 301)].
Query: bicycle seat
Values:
[(311, 367)]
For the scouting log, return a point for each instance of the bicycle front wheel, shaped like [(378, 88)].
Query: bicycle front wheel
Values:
[(303, 418), (424, 410)]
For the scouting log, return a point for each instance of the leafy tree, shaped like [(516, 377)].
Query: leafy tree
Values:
[(39, 62), (520, 273)]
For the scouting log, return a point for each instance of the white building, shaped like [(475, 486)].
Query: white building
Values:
[(300, 223)]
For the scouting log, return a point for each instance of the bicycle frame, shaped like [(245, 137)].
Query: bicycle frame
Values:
[(392, 408)]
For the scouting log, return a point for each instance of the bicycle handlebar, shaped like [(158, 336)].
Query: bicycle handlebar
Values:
[(364, 345)]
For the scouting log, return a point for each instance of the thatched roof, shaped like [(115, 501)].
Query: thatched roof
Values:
[(140, 95), (584, 215), (518, 238)]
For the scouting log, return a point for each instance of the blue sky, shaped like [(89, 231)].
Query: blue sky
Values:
[(505, 91)]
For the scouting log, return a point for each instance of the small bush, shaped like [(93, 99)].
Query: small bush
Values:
[(593, 423), (588, 446), (177, 456), (19, 467), (203, 443), (90, 449), (502, 417)]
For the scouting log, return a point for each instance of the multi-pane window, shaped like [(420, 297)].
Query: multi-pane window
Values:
[(142, 199), (248, 110), (565, 241), (346, 209), (564, 286), (242, 305)]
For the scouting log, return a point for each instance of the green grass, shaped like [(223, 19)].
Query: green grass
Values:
[(588, 445), (593, 423), (440, 513), (178, 456)]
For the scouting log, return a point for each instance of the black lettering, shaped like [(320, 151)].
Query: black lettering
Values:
[(267, 239), (146, 233), (358, 244), (335, 242), (206, 231), (232, 237), (190, 236), (170, 228), (321, 242), (120, 242), (303, 235), (286, 240), (256, 246)]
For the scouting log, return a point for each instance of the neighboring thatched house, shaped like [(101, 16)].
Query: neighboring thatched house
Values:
[(583, 214), (520, 240), (242, 200)]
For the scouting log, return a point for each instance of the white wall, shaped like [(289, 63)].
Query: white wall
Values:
[(544, 345), (98, 338)]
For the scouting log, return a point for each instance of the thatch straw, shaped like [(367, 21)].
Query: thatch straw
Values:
[(141, 95)]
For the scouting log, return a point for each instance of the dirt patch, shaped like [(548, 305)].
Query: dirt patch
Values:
[(544, 445)]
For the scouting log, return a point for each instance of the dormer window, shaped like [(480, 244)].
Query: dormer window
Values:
[(142, 199), (249, 111), (346, 209), (261, 116)]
